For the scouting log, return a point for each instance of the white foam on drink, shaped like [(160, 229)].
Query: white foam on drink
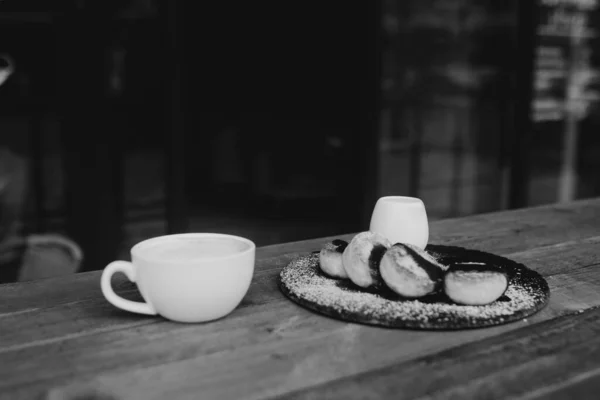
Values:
[(187, 249)]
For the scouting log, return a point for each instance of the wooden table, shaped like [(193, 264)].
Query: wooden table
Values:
[(59, 338)]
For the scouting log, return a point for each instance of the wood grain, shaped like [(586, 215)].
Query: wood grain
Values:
[(92, 312), (584, 386), (299, 350), (532, 361), (503, 233), (60, 338)]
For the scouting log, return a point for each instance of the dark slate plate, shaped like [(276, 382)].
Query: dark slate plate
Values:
[(304, 283)]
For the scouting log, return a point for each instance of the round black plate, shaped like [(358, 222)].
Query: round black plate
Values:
[(304, 283)]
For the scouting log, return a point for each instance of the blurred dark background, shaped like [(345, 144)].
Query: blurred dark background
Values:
[(282, 121)]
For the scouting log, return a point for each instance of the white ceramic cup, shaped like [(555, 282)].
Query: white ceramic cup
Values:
[(191, 277), (401, 219)]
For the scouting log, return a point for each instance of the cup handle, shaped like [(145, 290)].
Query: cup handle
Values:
[(105, 283)]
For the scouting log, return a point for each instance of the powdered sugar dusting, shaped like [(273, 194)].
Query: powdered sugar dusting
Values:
[(304, 283)]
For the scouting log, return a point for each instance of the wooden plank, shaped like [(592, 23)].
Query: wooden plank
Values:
[(91, 311), (76, 317), (324, 348), (581, 387), (22, 297), (508, 232), (561, 257), (46, 293), (534, 361), (31, 299), (500, 232), (503, 233), (95, 315), (286, 364)]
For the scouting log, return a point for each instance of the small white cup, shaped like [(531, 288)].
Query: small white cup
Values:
[(401, 219), (192, 277)]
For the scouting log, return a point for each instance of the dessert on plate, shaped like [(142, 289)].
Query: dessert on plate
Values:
[(362, 257), (411, 272), (330, 259), (370, 280), (371, 262)]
